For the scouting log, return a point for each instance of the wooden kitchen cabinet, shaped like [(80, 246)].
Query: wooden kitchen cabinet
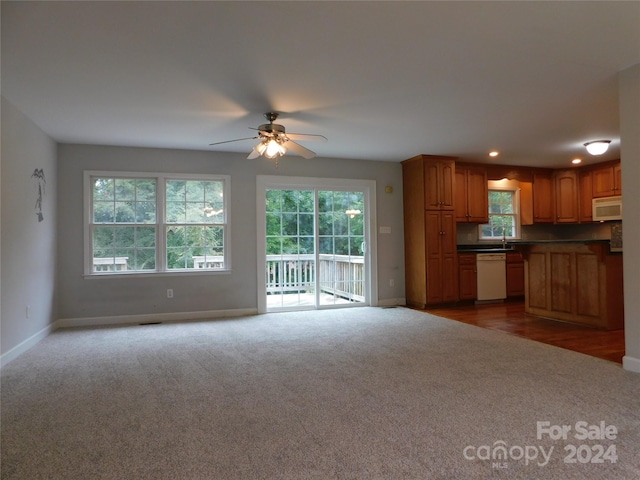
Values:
[(431, 271), (575, 282), (467, 276), (515, 274), (471, 194), (585, 193), (607, 180), (566, 196), (442, 285), (439, 179), (543, 197)]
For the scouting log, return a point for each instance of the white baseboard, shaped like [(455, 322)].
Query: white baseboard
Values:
[(152, 317), (630, 363), (26, 345), (391, 302)]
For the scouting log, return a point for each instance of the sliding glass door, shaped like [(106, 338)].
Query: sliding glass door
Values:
[(290, 248), (340, 234), (314, 246)]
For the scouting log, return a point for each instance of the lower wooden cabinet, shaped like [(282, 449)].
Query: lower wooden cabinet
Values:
[(579, 283), (467, 276), (441, 257), (515, 275)]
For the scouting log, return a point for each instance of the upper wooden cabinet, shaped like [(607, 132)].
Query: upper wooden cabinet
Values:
[(439, 178), (543, 197), (471, 194), (566, 196), (585, 192), (607, 180)]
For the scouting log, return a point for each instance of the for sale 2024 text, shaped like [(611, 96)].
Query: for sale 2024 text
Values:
[(583, 453)]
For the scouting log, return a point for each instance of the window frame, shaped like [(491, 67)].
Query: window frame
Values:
[(161, 268), (516, 214)]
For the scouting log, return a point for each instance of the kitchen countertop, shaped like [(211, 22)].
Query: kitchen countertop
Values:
[(550, 242), (485, 248), (513, 244)]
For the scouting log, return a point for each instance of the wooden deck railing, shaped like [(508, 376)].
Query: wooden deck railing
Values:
[(341, 275)]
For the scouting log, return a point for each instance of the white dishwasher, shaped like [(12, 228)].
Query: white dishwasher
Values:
[(492, 276)]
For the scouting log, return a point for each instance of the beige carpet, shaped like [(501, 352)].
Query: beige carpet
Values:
[(359, 393)]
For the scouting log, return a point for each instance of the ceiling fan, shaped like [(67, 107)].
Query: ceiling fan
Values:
[(274, 141)]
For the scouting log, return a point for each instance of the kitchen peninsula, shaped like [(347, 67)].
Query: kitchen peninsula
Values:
[(574, 281)]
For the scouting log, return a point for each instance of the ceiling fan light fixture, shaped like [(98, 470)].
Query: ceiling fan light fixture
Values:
[(271, 149), (597, 147)]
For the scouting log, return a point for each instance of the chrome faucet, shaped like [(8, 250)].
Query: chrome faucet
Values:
[(504, 242)]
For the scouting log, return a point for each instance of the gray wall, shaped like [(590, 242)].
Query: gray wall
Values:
[(28, 246), (630, 157), (81, 297)]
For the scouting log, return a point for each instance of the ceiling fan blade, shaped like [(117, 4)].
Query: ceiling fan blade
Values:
[(299, 149), (236, 140), (306, 137), (254, 153)]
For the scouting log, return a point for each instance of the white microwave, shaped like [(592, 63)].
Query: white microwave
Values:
[(607, 208)]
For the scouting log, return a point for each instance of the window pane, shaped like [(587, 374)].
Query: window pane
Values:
[(306, 201), (502, 215), (120, 248), (195, 246), (103, 238), (125, 188), (306, 245), (289, 201), (305, 224), (195, 201), (273, 224), (146, 190), (340, 226), (289, 224), (273, 200), (274, 245), (145, 212), (103, 189), (175, 212), (326, 245), (325, 226), (175, 191), (103, 212)]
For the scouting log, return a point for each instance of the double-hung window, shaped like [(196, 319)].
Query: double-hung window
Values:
[(151, 223), (504, 218)]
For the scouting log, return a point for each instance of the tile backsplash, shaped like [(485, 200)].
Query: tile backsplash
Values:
[(468, 233)]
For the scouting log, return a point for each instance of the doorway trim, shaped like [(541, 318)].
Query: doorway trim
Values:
[(265, 182)]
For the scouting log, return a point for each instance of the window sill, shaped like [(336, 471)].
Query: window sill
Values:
[(178, 273)]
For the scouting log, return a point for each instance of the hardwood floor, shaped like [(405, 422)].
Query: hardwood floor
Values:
[(509, 317)]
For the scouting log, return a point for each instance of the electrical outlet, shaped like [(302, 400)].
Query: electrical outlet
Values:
[(28, 311), (169, 292), (392, 282)]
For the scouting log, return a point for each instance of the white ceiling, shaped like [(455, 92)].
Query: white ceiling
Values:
[(381, 80)]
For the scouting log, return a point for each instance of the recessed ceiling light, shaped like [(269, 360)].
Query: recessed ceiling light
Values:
[(494, 153), (576, 161)]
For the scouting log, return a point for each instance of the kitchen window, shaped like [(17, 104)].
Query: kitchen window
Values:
[(141, 223), (504, 218)]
